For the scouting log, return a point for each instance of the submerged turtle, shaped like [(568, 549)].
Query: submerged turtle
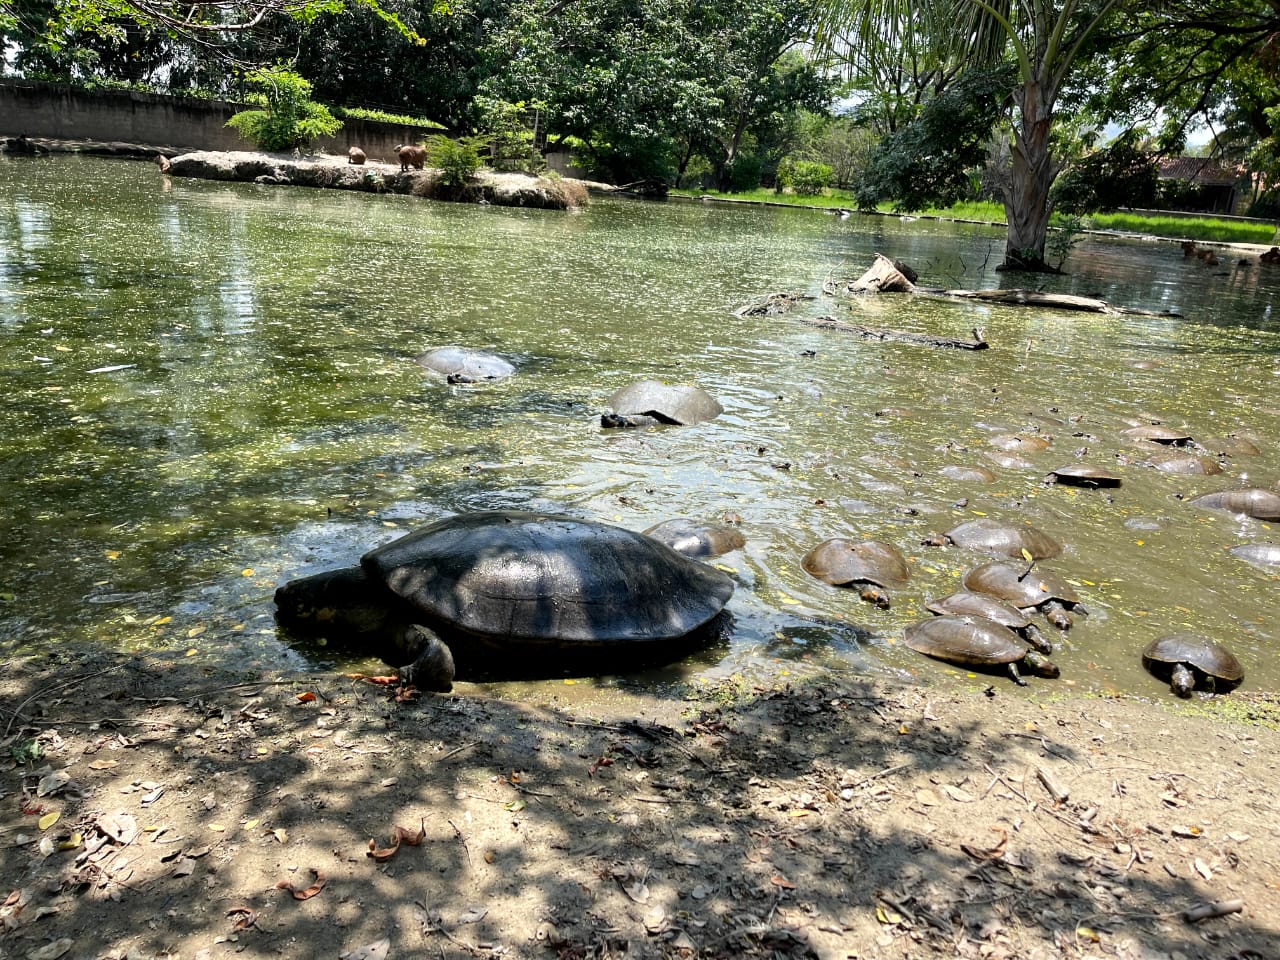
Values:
[(1185, 463), (869, 566), (460, 365), (1189, 661), (1256, 502), (649, 402), (972, 474), (1026, 589), (1082, 475), (998, 538), (977, 642), (1259, 554), (1021, 442), (697, 539), (965, 603), (517, 588), (1158, 433), (1232, 445)]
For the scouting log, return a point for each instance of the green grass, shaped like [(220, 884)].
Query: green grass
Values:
[(832, 198)]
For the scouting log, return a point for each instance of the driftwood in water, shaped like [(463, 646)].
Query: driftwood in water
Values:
[(978, 341), (1035, 298), (773, 305), (883, 276)]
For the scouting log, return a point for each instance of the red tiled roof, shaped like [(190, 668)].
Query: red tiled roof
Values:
[(1199, 169)]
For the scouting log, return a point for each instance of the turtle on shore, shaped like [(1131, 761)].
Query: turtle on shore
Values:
[(977, 642), (1192, 662), (512, 590)]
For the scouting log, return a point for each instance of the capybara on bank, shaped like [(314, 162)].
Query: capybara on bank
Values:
[(356, 155), (411, 156)]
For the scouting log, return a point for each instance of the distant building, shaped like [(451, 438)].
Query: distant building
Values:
[(1202, 185)]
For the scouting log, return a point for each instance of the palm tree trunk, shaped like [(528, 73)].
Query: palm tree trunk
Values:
[(1026, 193)]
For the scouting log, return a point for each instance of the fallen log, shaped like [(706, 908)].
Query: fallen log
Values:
[(978, 341), (883, 276), (1035, 298), (773, 305)]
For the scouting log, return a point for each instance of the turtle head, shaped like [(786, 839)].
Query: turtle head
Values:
[(873, 593), (1040, 665), (1182, 680), (343, 601)]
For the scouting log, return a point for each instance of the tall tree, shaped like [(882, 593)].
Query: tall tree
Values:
[(1044, 38)]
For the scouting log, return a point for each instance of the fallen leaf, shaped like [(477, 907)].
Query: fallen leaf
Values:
[(778, 880), (51, 951), (307, 697), (474, 915), (309, 892), (48, 820), (887, 916), (242, 917), (1202, 868), (927, 797), (371, 951), (52, 783), (958, 795), (281, 834), (638, 891), (103, 764), (995, 853)]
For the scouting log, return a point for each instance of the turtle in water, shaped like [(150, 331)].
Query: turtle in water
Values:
[(1184, 463), (977, 642), (1026, 590), (998, 539), (697, 540), (1256, 502), (1264, 554), (516, 589), (869, 566), (649, 402), (460, 365), (1082, 475), (1158, 433), (1189, 661), (965, 603)]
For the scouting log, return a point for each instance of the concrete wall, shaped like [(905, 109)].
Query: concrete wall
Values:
[(60, 112)]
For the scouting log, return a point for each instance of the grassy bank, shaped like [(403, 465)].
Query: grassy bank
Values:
[(1179, 228)]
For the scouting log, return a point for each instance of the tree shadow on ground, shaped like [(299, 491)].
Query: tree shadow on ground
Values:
[(830, 820)]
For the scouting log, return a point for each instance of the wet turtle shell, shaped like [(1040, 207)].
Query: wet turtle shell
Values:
[(460, 365), (968, 474), (978, 642), (1158, 433), (1188, 464), (1259, 554), (1253, 502), (869, 565), (1010, 461), (1000, 539), (1232, 445), (1024, 588), (1020, 442), (555, 589), (695, 539), (650, 401), (965, 603), (1083, 475), (1189, 661)]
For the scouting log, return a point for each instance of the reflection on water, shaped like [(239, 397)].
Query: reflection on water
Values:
[(267, 420)]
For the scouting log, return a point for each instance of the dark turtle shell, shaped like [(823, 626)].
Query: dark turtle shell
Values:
[(841, 563), (695, 539), (531, 578), (1016, 585), (1259, 554), (1003, 539), (973, 641), (461, 365), (1251, 501), (1083, 475), (667, 403), (965, 603), (1185, 463), (1199, 659)]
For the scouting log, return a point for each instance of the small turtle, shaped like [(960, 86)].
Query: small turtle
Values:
[(697, 539), (513, 588), (1158, 433), (1258, 554), (460, 365), (1010, 461), (968, 473), (870, 566), (1232, 445), (1026, 589), (1082, 475), (1189, 661), (976, 642), (998, 538), (1188, 464), (1256, 502), (967, 604), (1021, 442), (649, 402)]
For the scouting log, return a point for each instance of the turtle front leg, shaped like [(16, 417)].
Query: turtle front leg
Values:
[(1017, 677), (1057, 614), (432, 670)]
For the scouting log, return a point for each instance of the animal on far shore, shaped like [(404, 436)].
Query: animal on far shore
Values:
[(411, 156), (162, 162), (1271, 256), (1189, 249), (356, 155)]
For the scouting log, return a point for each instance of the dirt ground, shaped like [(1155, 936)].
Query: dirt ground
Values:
[(204, 815)]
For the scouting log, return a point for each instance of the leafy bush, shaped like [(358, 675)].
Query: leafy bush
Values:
[(381, 116), (1120, 175), (458, 160), (809, 178), (511, 142), (290, 119)]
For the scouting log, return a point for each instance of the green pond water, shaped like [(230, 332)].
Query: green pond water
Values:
[(209, 388)]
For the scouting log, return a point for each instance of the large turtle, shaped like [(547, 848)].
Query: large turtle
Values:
[(1264, 554), (1083, 475), (869, 566), (965, 603), (1189, 661), (998, 538), (460, 365), (1026, 589), (650, 402), (697, 540), (511, 588), (1256, 502), (976, 642)]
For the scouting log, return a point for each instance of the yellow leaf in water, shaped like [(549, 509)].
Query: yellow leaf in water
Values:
[(112, 554), (247, 572), (570, 683), (195, 631), (48, 820), (1141, 543), (904, 729), (191, 652), (783, 598), (979, 513), (61, 349), (1026, 555), (162, 621)]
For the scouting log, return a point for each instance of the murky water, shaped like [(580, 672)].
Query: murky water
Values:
[(208, 389)]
